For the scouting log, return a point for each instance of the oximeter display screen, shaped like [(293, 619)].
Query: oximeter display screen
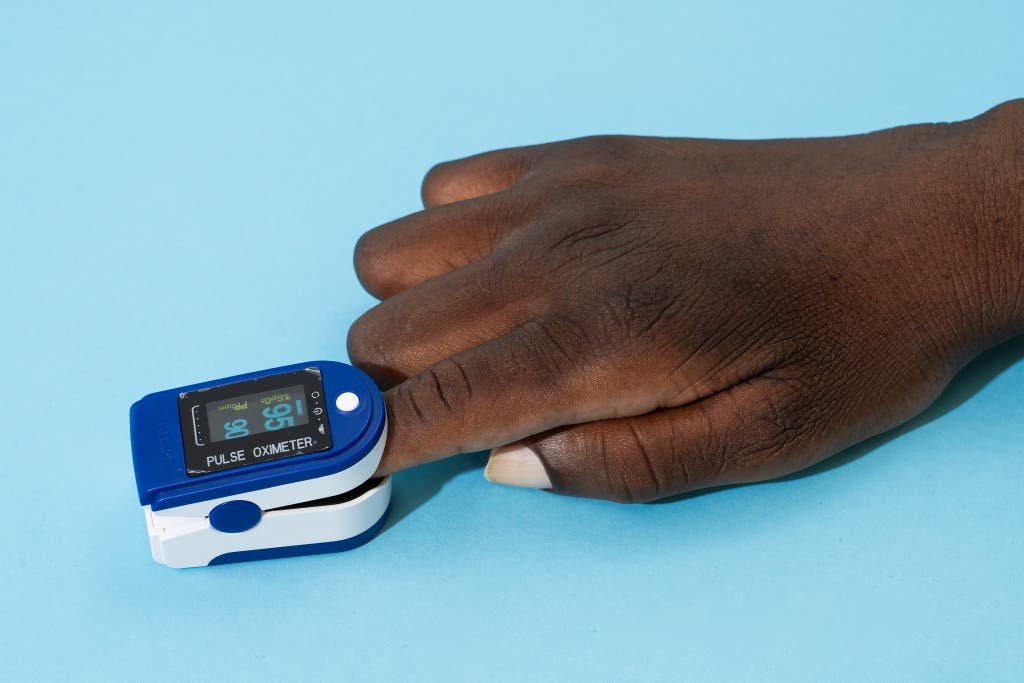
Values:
[(266, 411), (257, 420)]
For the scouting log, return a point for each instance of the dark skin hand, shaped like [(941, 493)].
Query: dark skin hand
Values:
[(642, 317)]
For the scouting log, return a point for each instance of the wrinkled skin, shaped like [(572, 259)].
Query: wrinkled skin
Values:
[(654, 316)]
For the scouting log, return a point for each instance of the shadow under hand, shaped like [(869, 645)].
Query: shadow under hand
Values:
[(414, 487), (966, 384)]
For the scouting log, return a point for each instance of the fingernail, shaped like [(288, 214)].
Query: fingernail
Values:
[(516, 465)]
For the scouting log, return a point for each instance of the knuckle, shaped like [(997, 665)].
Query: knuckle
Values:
[(371, 264), (550, 348), (589, 228), (365, 253), (608, 247), (639, 306), (438, 395), (614, 461), (405, 408), (768, 437), (448, 386), (364, 339), (436, 181), (699, 455), (496, 274), (626, 465), (645, 475), (436, 172), (600, 157), (775, 418), (601, 148)]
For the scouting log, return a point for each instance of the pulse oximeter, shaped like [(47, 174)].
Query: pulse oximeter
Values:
[(268, 464)]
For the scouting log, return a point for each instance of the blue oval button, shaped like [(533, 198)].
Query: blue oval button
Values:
[(235, 516)]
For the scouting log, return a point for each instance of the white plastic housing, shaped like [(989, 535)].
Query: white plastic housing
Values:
[(190, 541)]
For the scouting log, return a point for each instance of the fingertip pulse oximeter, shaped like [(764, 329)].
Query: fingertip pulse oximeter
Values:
[(269, 464)]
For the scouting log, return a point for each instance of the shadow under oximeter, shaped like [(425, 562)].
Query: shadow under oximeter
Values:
[(269, 464)]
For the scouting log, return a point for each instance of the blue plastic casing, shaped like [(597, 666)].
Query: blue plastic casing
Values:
[(298, 550), (159, 456)]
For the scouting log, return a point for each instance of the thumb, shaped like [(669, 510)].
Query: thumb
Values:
[(754, 431)]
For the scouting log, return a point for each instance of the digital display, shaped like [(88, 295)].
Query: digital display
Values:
[(266, 411), (252, 421)]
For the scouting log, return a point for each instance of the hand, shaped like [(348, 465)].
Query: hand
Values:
[(641, 317)]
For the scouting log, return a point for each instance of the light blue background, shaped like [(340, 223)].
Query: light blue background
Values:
[(154, 154)]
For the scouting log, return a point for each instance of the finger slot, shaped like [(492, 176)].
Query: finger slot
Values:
[(475, 176), (393, 257), (751, 432)]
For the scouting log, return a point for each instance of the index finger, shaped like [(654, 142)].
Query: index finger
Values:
[(525, 382)]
